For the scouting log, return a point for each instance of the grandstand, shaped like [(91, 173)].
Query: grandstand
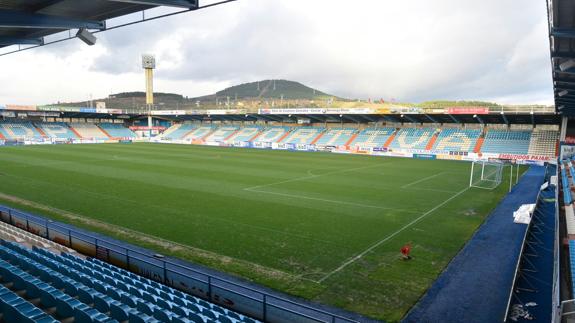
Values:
[(247, 133), (116, 130), (222, 133), (42, 285), (58, 130), (412, 138), (200, 132), (88, 131), (534, 142), (273, 134), (372, 137), (19, 130), (302, 135), (336, 137), (178, 131), (543, 142), (452, 139), (513, 142)]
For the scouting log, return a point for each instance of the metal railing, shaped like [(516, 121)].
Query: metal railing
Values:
[(520, 258), (567, 311), (556, 309), (236, 296)]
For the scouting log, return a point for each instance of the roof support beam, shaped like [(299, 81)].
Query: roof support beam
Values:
[(567, 71), (352, 118), (479, 119), (367, 117), (388, 118), (430, 118), (562, 55), (406, 116), (563, 86), (313, 118), (44, 5), (191, 4), (20, 41), (565, 100), (453, 118), (563, 32), (563, 80), (20, 19), (504, 118)]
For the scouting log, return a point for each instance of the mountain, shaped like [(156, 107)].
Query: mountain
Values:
[(273, 89), (254, 94)]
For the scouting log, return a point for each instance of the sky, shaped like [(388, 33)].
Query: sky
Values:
[(410, 51)]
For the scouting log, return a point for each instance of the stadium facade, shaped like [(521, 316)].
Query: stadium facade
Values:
[(456, 133)]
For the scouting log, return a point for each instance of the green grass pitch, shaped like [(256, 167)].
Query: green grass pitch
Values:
[(322, 226)]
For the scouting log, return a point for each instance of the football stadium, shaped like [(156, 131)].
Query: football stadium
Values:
[(272, 201)]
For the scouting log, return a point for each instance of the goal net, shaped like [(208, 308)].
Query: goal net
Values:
[(486, 175)]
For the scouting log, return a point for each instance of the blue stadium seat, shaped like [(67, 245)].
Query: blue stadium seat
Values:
[(19, 130), (372, 137), (412, 138), (336, 137), (272, 134), (91, 289), (302, 135), (58, 130), (455, 139), (245, 134), (117, 130), (507, 141)]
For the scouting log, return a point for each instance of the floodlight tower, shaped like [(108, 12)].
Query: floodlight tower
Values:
[(149, 63)]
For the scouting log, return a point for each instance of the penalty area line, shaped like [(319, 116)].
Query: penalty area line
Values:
[(329, 201), (422, 180), (297, 179), (380, 242)]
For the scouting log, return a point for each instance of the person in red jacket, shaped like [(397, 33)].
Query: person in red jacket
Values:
[(405, 251)]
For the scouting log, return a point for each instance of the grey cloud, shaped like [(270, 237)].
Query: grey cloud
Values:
[(447, 49)]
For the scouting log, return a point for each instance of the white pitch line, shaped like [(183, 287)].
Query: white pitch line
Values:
[(311, 176), (377, 244), (430, 189), (329, 201), (422, 180)]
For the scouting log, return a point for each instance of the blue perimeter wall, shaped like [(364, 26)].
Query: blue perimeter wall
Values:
[(475, 286)]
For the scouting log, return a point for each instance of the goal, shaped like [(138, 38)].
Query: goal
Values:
[(485, 175)]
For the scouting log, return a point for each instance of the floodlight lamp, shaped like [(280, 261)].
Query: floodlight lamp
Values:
[(475, 116), (148, 61), (86, 36)]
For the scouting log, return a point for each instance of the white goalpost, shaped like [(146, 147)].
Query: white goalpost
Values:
[(488, 175), (485, 175)]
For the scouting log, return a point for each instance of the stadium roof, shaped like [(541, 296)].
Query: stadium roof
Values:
[(524, 119), (561, 15), (27, 22)]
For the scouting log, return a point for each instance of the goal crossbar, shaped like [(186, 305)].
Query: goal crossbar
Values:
[(485, 175)]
